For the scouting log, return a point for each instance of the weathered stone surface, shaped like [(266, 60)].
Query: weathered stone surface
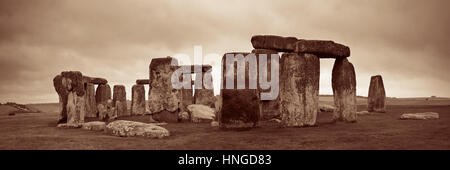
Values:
[(240, 107), (269, 108), (94, 126), (96, 80), (107, 111), (137, 100), (120, 101), (365, 112), (344, 90), (91, 105), (377, 96), (102, 94), (201, 113), (420, 116), (186, 94), (71, 91), (142, 81), (166, 116), (162, 96), (299, 89), (204, 68), (321, 48), (124, 128), (273, 42), (326, 107), (204, 95)]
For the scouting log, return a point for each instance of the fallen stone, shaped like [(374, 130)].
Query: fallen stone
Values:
[(377, 96), (344, 90), (273, 42), (142, 81), (299, 89), (200, 113), (103, 93), (323, 49), (162, 96), (214, 124), (137, 100), (124, 128), (420, 116), (326, 107), (120, 101), (95, 126)]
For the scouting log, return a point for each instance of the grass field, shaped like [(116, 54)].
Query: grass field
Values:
[(378, 131)]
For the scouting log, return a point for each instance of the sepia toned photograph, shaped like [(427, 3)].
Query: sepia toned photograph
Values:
[(224, 75)]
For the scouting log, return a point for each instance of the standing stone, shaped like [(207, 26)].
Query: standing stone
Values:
[(107, 111), (204, 95), (163, 98), (186, 95), (137, 100), (72, 83), (344, 90), (377, 96), (269, 108), (102, 94), (120, 101), (63, 94), (142, 81), (240, 107), (91, 106), (299, 89)]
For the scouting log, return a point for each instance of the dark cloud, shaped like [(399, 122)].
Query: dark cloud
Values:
[(405, 40)]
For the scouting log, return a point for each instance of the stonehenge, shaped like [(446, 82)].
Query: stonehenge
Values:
[(377, 96), (246, 97)]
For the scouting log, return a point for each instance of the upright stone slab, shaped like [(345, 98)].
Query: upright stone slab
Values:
[(269, 108), (205, 95), (274, 42), (103, 93), (120, 100), (240, 107), (377, 96), (91, 106), (344, 90), (70, 88), (162, 96), (299, 89), (137, 100), (187, 97)]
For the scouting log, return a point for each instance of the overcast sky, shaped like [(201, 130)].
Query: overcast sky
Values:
[(407, 41)]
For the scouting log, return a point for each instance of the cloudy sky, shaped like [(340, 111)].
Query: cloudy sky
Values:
[(406, 41)]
